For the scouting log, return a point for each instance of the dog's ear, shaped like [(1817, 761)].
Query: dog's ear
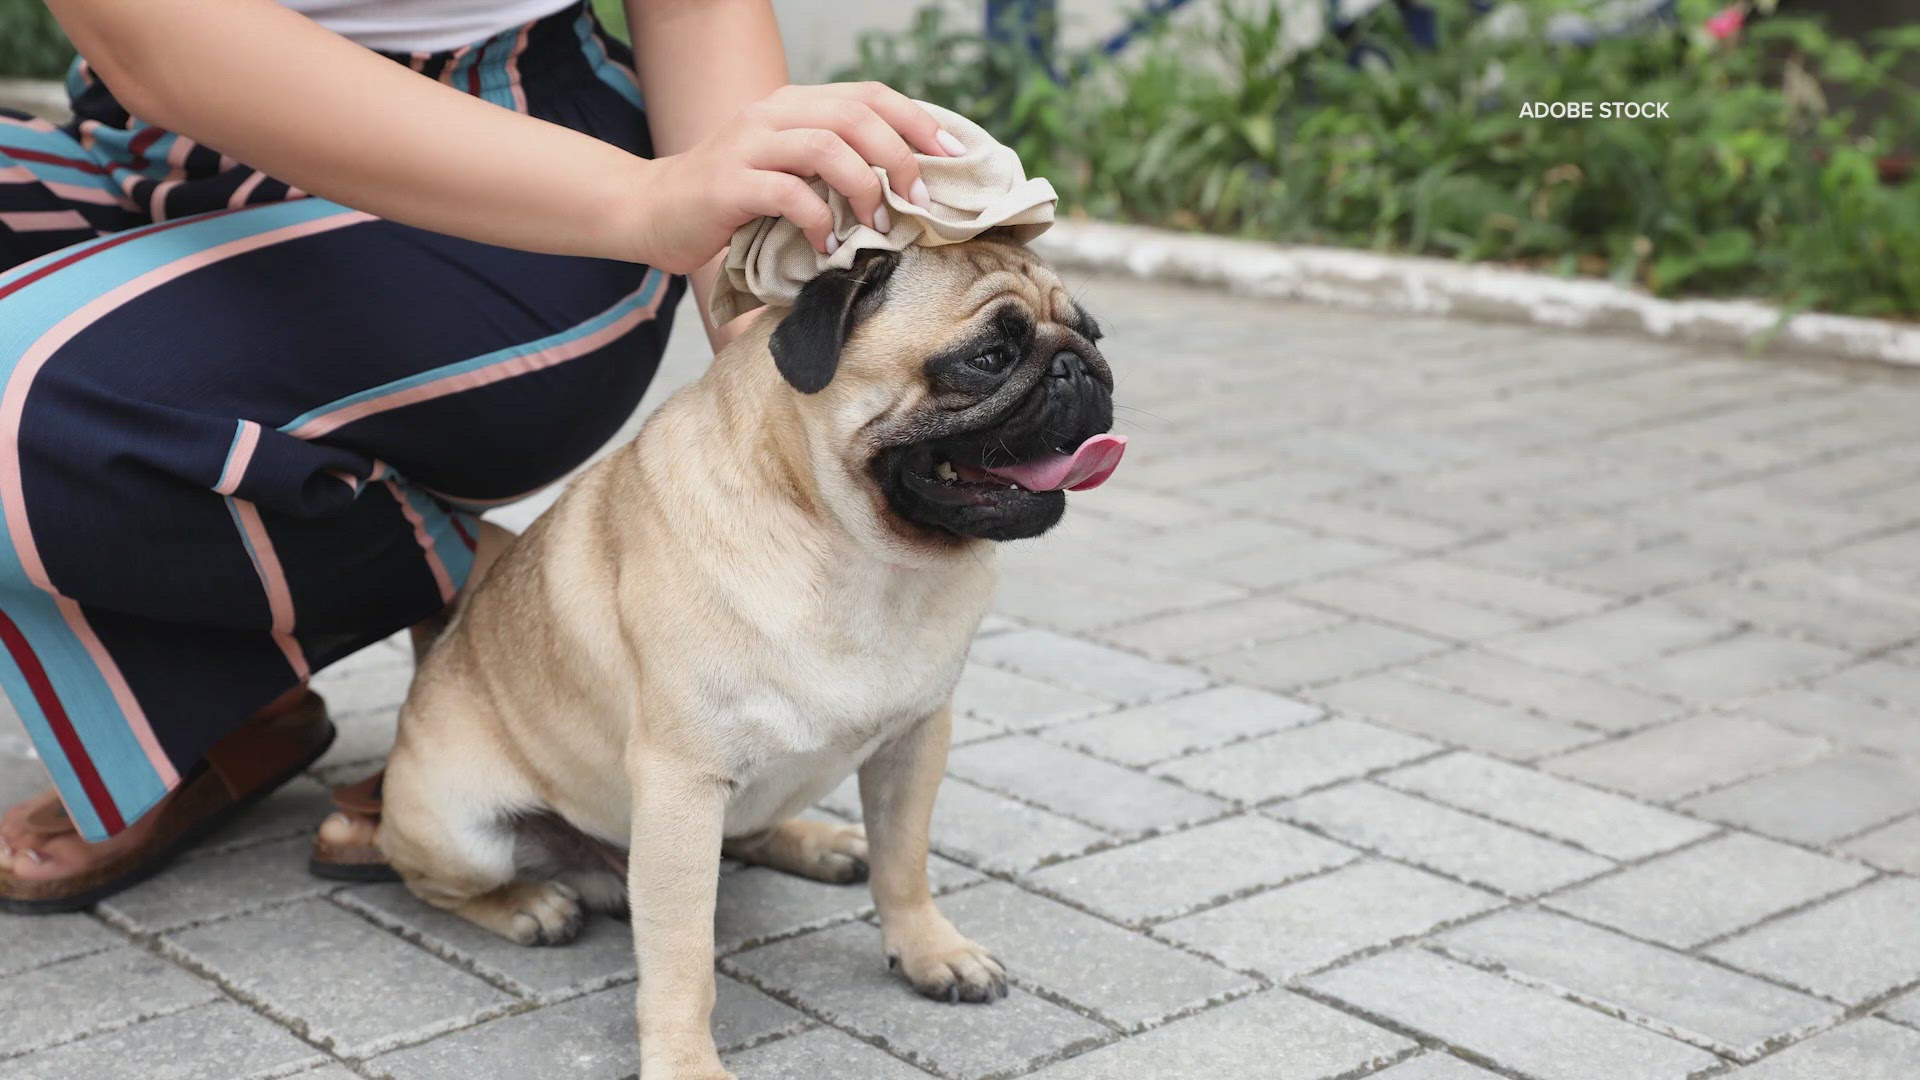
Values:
[(806, 345)]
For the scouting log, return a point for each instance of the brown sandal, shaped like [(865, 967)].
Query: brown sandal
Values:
[(243, 768), (361, 862)]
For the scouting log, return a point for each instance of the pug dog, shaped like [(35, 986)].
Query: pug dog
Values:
[(772, 587)]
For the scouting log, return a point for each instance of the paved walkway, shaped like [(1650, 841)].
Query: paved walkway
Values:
[(1423, 701)]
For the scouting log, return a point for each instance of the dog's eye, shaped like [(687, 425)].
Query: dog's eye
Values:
[(993, 359)]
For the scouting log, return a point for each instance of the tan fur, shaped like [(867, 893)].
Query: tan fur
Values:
[(709, 630)]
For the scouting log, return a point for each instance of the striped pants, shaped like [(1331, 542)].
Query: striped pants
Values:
[(243, 431)]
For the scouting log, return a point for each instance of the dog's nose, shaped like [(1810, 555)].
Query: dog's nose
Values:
[(1065, 364)]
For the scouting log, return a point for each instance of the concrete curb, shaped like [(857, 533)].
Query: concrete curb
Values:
[(1365, 279), (41, 97)]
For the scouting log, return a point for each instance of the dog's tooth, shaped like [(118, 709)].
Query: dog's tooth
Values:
[(944, 471)]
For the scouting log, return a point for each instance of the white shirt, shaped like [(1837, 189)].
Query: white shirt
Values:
[(406, 26)]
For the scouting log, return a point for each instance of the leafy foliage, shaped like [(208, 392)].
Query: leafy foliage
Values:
[(31, 44), (1755, 184)]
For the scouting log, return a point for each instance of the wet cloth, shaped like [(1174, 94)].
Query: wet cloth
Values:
[(244, 432), (770, 258)]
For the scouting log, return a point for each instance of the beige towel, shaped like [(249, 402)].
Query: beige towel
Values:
[(770, 258)]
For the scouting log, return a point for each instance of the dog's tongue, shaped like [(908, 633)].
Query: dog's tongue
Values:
[(1087, 467)]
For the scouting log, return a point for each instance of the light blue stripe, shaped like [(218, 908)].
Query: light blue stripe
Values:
[(603, 66), (633, 300), (52, 757), (447, 544), (76, 82), (65, 174), (239, 430), (25, 317), (46, 142)]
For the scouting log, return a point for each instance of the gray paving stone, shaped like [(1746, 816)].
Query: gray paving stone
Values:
[(1890, 847), (327, 1072), (588, 1038), (1296, 760), (1435, 616), (1136, 981), (1733, 668), (1456, 844), (1530, 1031), (1309, 924), (370, 680), (758, 904), (1890, 684), (1107, 796), (1074, 590), (1218, 628), (1905, 1009), (66, 1000), (1146, 734), (312, 963), (1406, 704), (1850, 948), (1434, 1067), (33, 940), (601, 956), (1686, 756), (990, 831), (1818, 802), (1238, 1039), (821, 1052), (1093, 669), (1593, 820), (1849, 722), (1180, 872), (1017, 702), (1866, 1049), (1671, 993), (1611, 639), (209, 887), (1331, 517), (1709, 890), (1323, 655), (1297, 561), (841, 976), (293, 811), (1552, 694), (221, 1041), (1483, 587)]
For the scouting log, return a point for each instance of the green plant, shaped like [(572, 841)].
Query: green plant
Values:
[(1754, 184), (31, 44)]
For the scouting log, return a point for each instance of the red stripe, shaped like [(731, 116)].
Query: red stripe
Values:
[(56, 715), (141, 143), (15, 286), (54, 159), (465, 537), (473, 73)]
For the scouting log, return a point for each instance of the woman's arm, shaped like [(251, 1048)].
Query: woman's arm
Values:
[(270, 87)]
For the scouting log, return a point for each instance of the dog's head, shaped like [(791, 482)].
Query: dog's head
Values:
[(963, 379)]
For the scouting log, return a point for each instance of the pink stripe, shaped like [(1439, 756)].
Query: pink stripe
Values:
[(513, 70), (85, 193), (32, 122), (18, 174), (160, 193), (13, 403), (43, 220), (177, 156), (239, 458), (439, 569), (508, 368), (379, 471), (274, 580), (240, 193)]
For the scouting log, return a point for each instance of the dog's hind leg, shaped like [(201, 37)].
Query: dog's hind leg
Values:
[(823, 851), (450, 832)]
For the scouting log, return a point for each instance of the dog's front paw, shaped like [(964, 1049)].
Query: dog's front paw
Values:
[(953, 969), (545, 913)]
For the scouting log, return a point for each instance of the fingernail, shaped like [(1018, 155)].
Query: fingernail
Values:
[(882, 220), (918, 195), (34, 857), (948, 143), (833, 243)]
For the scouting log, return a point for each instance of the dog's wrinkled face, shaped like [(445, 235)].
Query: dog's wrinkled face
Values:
[(964, 378)]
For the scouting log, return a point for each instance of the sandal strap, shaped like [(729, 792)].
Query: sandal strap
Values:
[(362, 797), (258, 752)]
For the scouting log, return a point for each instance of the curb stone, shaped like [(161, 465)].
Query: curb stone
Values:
[(1438, 287)]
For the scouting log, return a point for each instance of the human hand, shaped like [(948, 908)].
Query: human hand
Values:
[(756, 164)]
